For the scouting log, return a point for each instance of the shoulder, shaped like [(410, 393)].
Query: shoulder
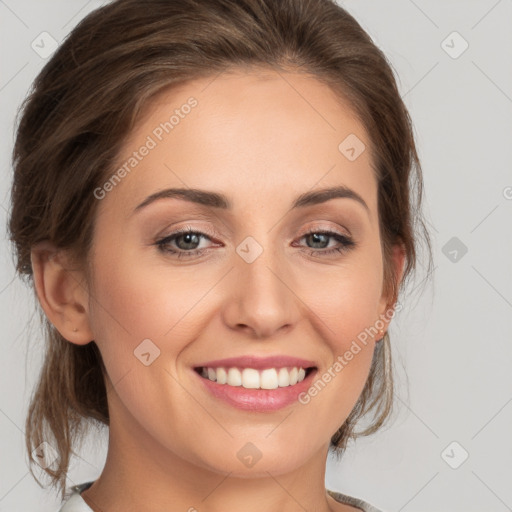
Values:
[(357, 503), (75, 502)]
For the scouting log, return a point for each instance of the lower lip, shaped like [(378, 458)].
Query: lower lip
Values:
[(259, 400)]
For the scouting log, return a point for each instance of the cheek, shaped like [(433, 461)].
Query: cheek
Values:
[(346, 299), (141, 301), (345, 313), (345, 303), (132, 305), (134, 302)]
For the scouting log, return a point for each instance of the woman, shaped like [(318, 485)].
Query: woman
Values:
[(216, 202)]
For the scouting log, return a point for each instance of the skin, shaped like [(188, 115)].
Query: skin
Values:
[(262, 139)]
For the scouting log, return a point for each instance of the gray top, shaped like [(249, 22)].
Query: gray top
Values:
[(355, 502), (75, 502)]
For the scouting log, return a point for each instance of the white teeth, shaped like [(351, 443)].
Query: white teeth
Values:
[(222, 376), (283, 377), (250, 378), (234, 377), (268, 379)]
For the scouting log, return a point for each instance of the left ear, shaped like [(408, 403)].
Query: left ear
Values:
[(386, 302)]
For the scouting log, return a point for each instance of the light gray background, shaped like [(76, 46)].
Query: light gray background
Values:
[(454, 341)]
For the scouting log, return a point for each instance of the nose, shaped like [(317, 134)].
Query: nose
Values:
[(261, 299)]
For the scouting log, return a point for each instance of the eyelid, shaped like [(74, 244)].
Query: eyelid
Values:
[(343, 231), (172, 231)]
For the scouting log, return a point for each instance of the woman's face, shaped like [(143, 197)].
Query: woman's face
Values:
[(248, 281)]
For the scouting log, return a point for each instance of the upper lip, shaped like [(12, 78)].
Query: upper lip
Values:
[(256, 362)]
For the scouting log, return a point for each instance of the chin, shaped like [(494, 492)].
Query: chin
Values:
[(250, 462)]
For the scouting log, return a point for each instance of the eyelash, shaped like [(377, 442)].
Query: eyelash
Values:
[(346, 243)]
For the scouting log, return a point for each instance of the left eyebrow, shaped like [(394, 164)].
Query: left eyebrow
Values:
[(217, 200), (325, 194)]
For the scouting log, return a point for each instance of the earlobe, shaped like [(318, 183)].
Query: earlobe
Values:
[(62, 293)]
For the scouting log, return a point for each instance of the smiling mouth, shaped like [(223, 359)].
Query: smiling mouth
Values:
[(251, 378)]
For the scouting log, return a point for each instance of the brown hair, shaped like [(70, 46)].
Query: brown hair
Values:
[(85, 102)]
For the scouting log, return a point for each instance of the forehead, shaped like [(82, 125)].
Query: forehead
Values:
[(247, 131)]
